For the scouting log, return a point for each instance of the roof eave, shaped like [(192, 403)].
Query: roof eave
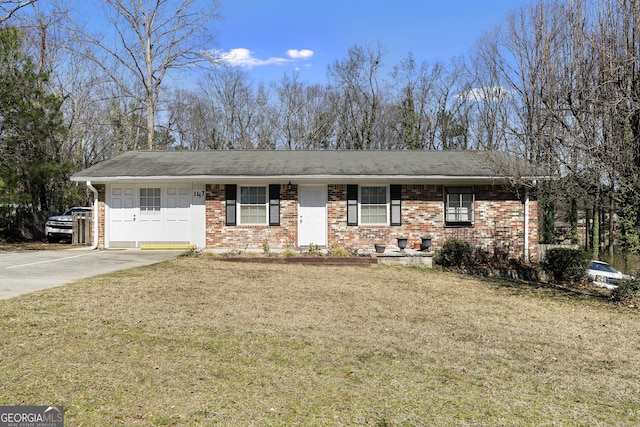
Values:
[(302, 178)]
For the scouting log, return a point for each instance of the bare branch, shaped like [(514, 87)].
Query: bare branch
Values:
[(9, 7)]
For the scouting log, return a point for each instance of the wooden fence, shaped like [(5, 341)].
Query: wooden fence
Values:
[(82, 229)]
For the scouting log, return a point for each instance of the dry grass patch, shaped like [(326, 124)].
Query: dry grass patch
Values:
[(197, 341), (33, 246)]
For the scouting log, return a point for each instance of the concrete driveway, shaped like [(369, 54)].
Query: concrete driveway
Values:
[(27, 271)]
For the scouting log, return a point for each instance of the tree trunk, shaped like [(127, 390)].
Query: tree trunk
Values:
[(595, 231)]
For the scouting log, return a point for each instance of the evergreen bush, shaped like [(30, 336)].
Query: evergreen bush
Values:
[(566, 265), (454, 253), (627, 292)]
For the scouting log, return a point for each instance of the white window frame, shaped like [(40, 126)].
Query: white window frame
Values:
[(241, 205), (453, 215), (147, 208), (387, 204)]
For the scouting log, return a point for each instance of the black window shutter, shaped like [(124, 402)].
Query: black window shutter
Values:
[(352, 205), (230, 196), (274, 204), (396, 204)]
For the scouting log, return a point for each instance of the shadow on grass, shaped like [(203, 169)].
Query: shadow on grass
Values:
[(583, 291)]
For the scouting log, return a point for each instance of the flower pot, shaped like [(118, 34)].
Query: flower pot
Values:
[(426, 243), (417, 246), (402, 243), (379, 248)]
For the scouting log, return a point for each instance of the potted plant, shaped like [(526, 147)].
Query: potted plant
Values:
[(426, 243), (402, 243), (379, 247)]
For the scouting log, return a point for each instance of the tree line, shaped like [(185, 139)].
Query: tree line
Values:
[(556, 83)]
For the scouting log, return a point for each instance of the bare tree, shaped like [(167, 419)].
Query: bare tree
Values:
[(236, 107), (416, 111), (151, 38), (356, 77), (302, 114), (8, 8), (190, 120)]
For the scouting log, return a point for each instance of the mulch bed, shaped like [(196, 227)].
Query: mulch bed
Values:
[(311, 260)]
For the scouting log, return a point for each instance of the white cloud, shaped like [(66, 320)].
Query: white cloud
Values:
[(487, 93), (242, 57), (300, 53)]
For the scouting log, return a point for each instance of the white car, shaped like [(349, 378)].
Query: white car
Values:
[(604, 275)]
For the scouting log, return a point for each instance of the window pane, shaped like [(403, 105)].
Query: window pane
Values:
[(373, 214), (253, 205), (253, 214), (150, 201), (253, 195), (459, 206), (373, 195)]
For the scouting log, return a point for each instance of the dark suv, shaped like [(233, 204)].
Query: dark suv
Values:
[(61, 226)]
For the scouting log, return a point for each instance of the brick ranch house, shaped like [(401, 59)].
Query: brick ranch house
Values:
[(242, 199)]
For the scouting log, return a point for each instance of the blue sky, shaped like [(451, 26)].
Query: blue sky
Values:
[(271, 37)]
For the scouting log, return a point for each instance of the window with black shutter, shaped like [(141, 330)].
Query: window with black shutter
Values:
[(352, 205), (396, 204), (230, 196), (274, 204)]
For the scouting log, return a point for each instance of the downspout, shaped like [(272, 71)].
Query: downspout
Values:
[(95, 215), (526, 224)]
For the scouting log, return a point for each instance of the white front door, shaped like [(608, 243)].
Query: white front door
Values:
[(123, 215), (312, 215)]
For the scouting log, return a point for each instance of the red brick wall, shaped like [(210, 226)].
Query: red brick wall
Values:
[(218, 235), (101, 213), (499, 221)]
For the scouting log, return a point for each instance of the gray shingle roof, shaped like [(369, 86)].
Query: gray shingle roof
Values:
[(305, 164)]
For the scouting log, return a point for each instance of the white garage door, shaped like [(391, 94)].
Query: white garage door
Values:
[(144, 214)]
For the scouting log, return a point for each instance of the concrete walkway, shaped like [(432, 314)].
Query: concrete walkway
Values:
[(28, 271)]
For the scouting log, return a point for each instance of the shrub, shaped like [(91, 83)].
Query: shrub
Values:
[(627, 292), (566, 265), (454, 253), (191, 252), (288, 252), (480, 256), (314, 250), (339, 251)]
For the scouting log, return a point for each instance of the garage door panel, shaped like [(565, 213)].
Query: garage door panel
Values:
[(136, 217), (123, 214), (178, 214)]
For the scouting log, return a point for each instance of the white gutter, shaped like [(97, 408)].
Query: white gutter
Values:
[(526, 225), (95, 215)]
